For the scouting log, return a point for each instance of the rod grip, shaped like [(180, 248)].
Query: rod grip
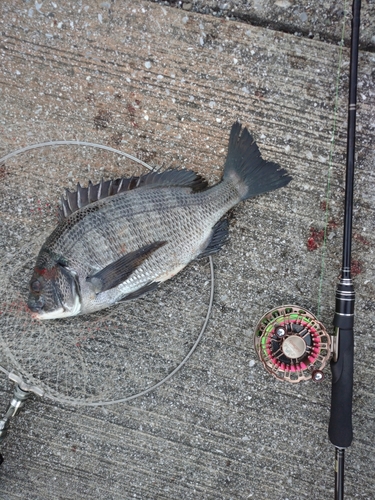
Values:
[(340, 429)]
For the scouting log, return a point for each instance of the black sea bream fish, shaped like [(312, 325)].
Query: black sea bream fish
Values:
[(119, 239)]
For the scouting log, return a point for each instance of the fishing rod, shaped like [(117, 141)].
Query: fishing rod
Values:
[(293, 345), (340, 429)]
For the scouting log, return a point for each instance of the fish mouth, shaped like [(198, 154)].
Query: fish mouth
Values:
[(35, 307), (54, 305), (62, 312), (37, 311), (55, 314)]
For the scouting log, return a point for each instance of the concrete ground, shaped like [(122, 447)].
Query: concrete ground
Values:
[(165, 83)]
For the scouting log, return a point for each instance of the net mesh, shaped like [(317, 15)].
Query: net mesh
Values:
[(102, 357)]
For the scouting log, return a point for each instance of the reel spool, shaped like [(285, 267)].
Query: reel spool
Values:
[(292, 344)]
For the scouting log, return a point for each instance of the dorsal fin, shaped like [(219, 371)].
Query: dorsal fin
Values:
[(83, 196)]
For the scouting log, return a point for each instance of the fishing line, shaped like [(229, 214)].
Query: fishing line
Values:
[(32, 385), (290, 341), (330, 162)]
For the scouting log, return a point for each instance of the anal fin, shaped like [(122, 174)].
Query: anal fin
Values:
[(117, 272), (219, 237)]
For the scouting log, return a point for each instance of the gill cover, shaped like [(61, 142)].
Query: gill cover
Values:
[(54, 292)]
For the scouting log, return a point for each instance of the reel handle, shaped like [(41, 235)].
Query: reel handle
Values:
[(340, 428)]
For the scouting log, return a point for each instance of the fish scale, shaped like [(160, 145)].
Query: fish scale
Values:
[(126, 242), (170, 218)]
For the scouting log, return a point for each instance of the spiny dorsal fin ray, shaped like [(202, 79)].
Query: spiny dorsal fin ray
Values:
[(83, 196), (72, 200)]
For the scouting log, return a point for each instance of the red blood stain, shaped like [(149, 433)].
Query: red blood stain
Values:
[(43, 208), (81, 341), (259, 94), (356, 267), (46, 273), (332, 224), (131, 109), (323, 206), (361, 239), (311, 244), (16, 307), (316, 239)]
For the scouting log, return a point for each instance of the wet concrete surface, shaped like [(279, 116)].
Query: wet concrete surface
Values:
[(165, 84), (317, 20)]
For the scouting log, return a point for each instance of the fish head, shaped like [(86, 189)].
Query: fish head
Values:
[(54, 291)]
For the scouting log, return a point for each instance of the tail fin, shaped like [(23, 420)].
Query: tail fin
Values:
[(245, 166)]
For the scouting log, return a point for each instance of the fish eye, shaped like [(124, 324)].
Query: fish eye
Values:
[(35, 286)]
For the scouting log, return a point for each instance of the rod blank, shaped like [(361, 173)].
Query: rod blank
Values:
[(340, 429)]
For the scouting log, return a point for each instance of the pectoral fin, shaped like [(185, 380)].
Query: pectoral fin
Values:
[(118, 271)]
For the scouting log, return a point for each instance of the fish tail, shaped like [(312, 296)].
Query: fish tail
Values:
[(246, 168)]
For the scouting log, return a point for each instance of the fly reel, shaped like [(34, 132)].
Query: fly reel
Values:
[(292, 344)]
